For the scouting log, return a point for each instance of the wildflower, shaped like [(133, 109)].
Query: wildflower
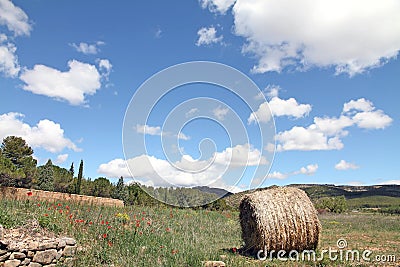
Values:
[(234, 250), (137, 224), (174, 251), (38, 204), (102, 222), (104, 235), (29, 193), (109, 243), (109, 227), (140, 233), (59, 204), (106, 223), (168, 229), (90, 222), (149, 223), (45, 215), (67, 207)]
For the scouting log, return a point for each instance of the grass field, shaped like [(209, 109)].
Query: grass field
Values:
[(160, 236), (373, 202)]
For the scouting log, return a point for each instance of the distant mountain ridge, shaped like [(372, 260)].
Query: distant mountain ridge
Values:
[(213, 190), (330, 190), (315, 191)]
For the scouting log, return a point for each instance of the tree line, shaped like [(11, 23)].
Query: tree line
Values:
[(18, 168)]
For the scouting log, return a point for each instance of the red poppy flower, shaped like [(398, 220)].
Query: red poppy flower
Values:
[(174, 251), (149, 223), (109, 243), (29, 193), (109, 227), (168, 229), (46, 214), (104, 235), (38, 204), (234, 250)]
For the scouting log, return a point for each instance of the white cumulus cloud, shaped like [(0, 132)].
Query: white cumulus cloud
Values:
[(310, 169), (288, 107), (45, 134), (191, 112), (114, 168), (156, 130), (219, 6), (278, 107), (105, 67), (8, 59), (61, 158), (14, 18), (208, 36), (263, 114), (326, 133), (146, 129), (352, 36), (361, 104), (344, 165), (149, 169), (220, 113), (80, 80), (88, 49)]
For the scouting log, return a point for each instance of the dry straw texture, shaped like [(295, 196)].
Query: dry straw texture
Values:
[(279, 218)]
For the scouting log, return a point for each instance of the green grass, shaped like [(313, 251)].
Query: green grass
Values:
[(162, 236), (373, 202)]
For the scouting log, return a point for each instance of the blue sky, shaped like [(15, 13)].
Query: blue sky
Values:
[(329, 71)]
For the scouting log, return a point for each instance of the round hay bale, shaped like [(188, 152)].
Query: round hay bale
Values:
[(279, 218)]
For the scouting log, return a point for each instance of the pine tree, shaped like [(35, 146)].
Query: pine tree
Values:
[(18, 153), (46, 177), (79, 181)]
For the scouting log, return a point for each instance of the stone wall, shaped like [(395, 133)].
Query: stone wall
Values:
[(36, 251), (23, 193)]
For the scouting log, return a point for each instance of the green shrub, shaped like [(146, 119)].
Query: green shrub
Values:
[(332, 204)]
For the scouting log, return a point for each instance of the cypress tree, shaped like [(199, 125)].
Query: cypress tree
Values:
[(71, 170), (120, 190), (79, 181)]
